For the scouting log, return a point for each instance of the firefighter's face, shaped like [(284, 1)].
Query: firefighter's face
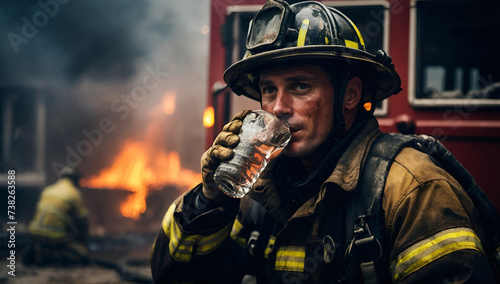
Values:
[(303, 96)]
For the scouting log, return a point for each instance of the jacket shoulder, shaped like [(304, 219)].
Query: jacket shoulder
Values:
[(415, 184), (412, 168)]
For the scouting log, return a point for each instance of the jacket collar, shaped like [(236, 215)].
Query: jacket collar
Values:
[(345, 175)]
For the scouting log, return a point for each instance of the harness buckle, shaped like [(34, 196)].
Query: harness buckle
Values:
[(364, 239), (368, 248)]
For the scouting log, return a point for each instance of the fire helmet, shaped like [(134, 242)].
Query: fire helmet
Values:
[(309, 32), (72, 173)]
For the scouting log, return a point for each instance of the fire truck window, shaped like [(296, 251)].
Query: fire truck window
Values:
[(456, 46)]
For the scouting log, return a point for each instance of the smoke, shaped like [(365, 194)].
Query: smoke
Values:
[(110, 61)]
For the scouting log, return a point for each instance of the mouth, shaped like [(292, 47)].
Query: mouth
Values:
[(294, 128), (294, 133)]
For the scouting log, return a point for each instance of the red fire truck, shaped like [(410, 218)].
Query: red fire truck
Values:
[(443, 50)]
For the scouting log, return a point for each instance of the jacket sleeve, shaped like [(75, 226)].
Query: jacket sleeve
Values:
[(194, 244), (434, 230)]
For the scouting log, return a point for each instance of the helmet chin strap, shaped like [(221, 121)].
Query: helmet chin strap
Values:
[(339, 88)]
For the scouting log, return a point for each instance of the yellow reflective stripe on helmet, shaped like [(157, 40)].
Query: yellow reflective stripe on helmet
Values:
[(270, 246), (302, 32), (433, 248), (351, 44), (235, 231), (208, 244), (290, 258), (361, 40)]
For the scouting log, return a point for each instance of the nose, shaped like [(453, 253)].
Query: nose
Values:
[(283, 105)]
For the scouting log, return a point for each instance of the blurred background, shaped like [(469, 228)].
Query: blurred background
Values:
[(116, 88), (85, 82)]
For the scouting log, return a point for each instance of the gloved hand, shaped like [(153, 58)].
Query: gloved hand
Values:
[(222, 150)]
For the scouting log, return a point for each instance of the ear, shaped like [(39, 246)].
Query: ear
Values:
[(353, 93)]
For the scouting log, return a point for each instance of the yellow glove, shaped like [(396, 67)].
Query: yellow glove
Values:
[(222, 150)]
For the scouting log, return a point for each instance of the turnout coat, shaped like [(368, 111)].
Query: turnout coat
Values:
[(279, 235)]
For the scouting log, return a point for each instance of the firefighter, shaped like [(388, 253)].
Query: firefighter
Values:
[(59, 229), (307, 64)]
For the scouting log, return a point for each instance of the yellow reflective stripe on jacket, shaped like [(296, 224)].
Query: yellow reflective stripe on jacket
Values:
[(290, 258), (182, 245), (270, 246), (432, 248), (235, 231), (50, 222), (208, 244), (167, 220)]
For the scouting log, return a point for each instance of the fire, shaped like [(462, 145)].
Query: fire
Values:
[(139, 169), (142, 166)]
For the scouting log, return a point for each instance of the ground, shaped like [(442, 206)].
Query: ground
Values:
[(128, 253), (80, 275)]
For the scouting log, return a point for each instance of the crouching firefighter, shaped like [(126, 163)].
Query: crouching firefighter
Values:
[(59, 230), (323, 211)]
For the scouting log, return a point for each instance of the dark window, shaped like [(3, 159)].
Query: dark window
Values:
[(456, 51)]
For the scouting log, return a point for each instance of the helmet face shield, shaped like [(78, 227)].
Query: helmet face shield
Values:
[(269, 27)]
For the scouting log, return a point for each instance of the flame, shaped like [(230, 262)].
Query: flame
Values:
[(138, 169), (142, 166)]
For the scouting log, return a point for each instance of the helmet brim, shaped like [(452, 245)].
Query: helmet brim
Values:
[(241, 75)]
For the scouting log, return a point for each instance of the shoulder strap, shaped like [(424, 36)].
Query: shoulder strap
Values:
[(365, 221)]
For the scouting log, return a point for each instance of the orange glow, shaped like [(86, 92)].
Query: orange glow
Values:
[(208, 117), (168, 103), (367, 106), (140, 168)]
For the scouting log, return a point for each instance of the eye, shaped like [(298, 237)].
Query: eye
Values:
[(268, 90), (301, 87)]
